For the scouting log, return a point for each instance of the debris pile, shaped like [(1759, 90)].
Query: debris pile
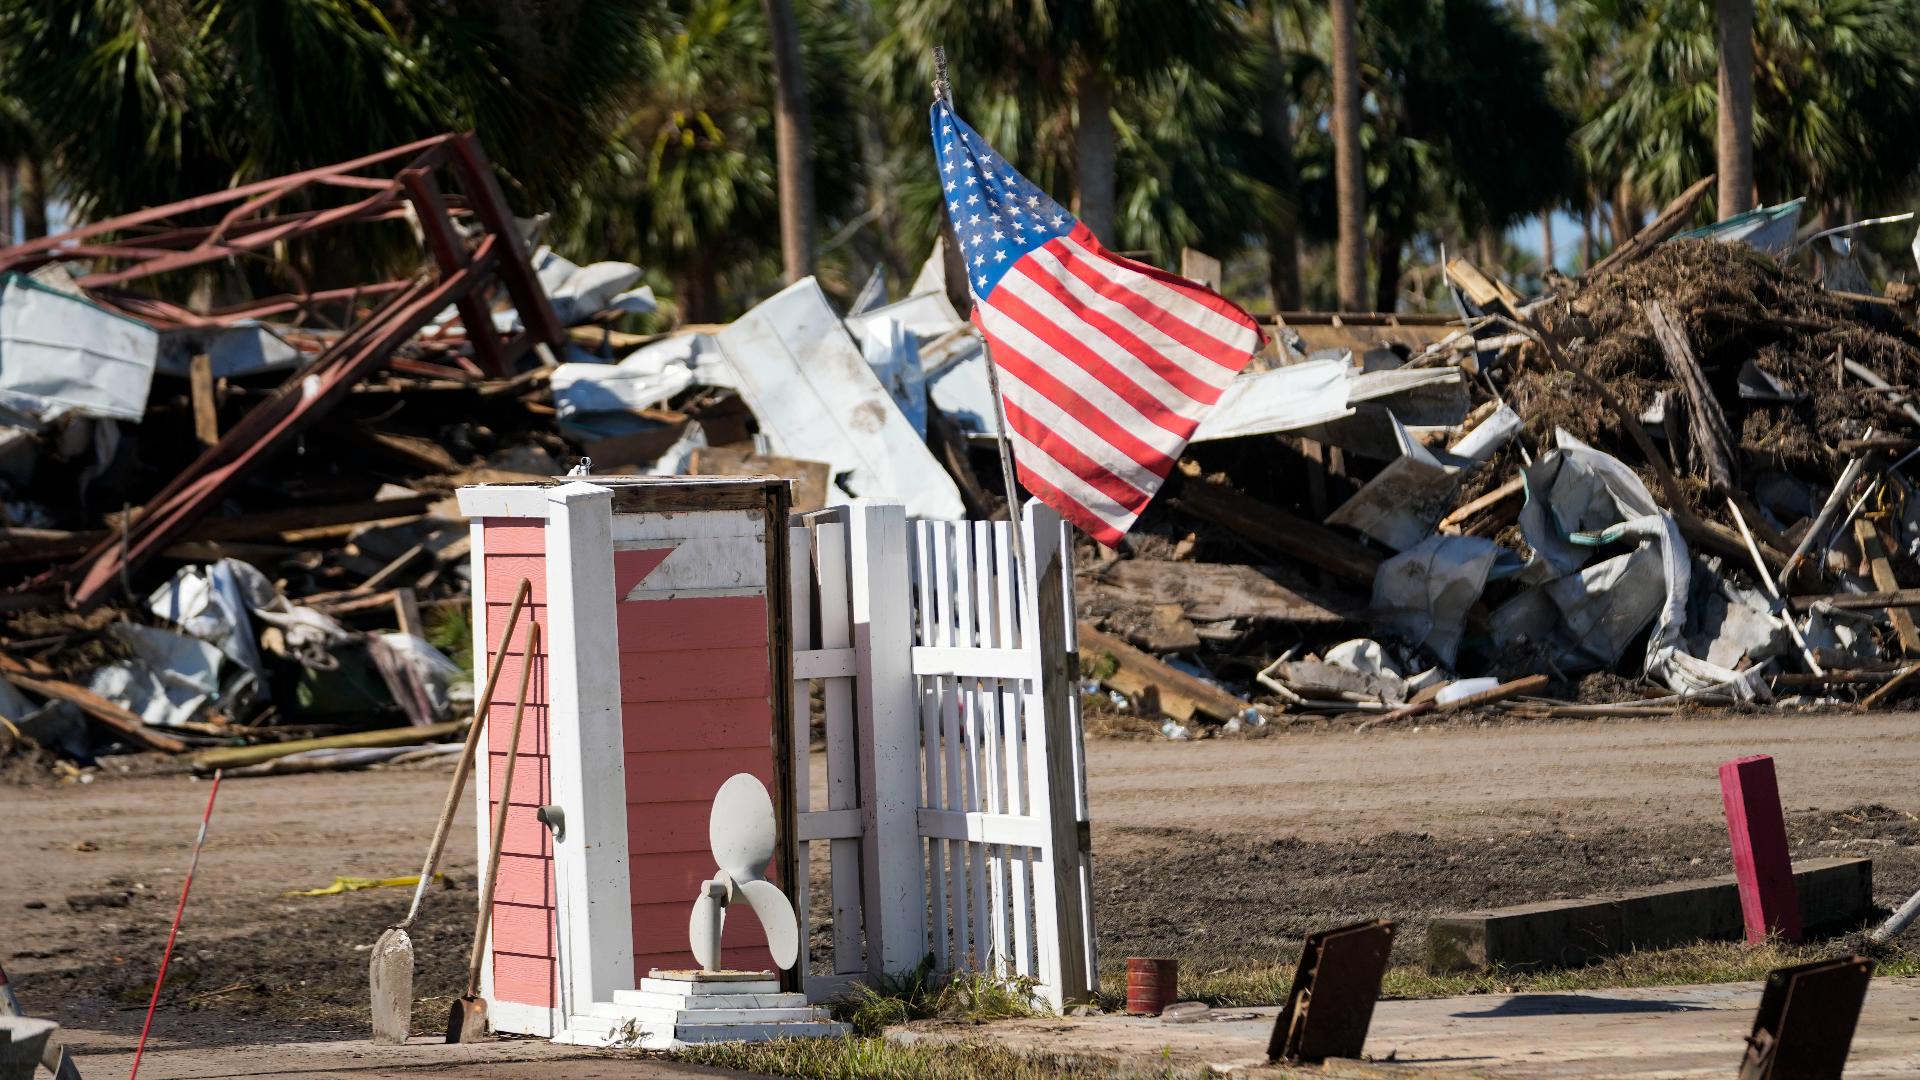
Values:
[(1678, 483), (226, 475)]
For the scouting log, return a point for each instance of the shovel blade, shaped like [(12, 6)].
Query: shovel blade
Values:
[(468, 1020), (390, 978)]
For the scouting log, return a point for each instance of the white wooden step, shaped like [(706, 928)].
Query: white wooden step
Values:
[(682, 989), (647, 999), (698, 1017)]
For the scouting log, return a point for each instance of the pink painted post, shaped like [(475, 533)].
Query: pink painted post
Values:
[(1758, 831)]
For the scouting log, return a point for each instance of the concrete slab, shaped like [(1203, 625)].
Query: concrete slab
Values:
[(1835, 894), (1679, 1031)]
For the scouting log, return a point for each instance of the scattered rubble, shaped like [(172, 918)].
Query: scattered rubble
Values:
[(226, 524)]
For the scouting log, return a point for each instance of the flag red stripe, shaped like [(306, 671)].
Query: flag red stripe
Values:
[(1178, 377), (1055, 336), (1069, 456), (1043, 382), (1088, 522), (1164, 319)]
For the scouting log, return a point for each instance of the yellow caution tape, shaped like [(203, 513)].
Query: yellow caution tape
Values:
[(355, 884)]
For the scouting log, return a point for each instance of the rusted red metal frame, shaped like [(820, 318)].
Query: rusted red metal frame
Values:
[(499, 256)]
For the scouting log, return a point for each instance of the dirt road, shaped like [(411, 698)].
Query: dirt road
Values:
[(1474, 781), (1228, 849)]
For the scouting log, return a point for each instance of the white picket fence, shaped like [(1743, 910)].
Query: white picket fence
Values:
[(953, 792)]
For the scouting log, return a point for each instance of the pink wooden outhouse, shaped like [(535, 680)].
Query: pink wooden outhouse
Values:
[(665, 669)]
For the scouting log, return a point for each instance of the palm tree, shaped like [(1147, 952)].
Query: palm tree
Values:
[(1350, 184), (793, 133), (1831, 79), (1735, 135), (1276, 124), (1058, 68)]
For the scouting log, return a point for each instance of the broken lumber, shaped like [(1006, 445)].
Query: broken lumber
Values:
[(1181, 695), (1897, 598), (1873, 545), (1453, 521), (1711, 445), (1272, 527), (1212, 592), (1670, 221), (1529, 684), (206, 411), (236, 756)]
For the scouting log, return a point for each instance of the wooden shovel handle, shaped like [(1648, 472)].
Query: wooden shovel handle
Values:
[(485, 918), (459, 785)]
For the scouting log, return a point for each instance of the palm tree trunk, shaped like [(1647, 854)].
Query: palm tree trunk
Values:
[(33, 199), (1276, 125), (1735, 142), (1094, 153), (1586, 238), (1350, 186), (1546, 244), (6, 206), (1389, 259), (793, 135)]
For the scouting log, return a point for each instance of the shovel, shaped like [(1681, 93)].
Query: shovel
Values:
[(467, 1020), (390, 969)]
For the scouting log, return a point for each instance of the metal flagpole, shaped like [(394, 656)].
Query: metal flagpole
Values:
[(943, 91)]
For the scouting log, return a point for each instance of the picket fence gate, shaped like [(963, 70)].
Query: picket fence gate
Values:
[(952, 796)]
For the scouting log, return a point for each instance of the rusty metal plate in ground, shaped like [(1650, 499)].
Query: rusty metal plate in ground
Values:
[(1805, 1024), (1330, 1006)]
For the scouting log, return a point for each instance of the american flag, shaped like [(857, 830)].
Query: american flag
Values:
[(1106, 365)]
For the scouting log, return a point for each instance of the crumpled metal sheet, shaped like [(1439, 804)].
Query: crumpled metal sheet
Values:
[(60, 353), (1423, 594), (1578, 500), (816, 399)]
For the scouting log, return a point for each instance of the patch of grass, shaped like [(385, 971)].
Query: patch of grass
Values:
[(921, 994), (1706, 962), (860, 1058), (450, 630)]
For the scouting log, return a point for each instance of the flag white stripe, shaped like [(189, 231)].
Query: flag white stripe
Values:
[(1096, 341), (1233, 336), (1116, 408), (1097, 502), (1084, 439), (1171, 348)]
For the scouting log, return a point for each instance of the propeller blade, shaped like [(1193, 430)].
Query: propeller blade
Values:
[(703, 931), (741, 828), (770, 906)]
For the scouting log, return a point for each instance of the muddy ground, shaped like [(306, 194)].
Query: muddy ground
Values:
[(1218, 853)]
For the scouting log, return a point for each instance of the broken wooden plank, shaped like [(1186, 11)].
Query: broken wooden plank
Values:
[(119, 720), (300, 519), (406, 613), (236, 756), (1896, 598), (1212, 592), (1671, 220), (1873, 545), (1711, 445), (1275, 528), (1180, 694), (206, 408)]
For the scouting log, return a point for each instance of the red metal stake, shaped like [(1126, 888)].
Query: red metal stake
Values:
[(1758, 831), (165, 957)]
